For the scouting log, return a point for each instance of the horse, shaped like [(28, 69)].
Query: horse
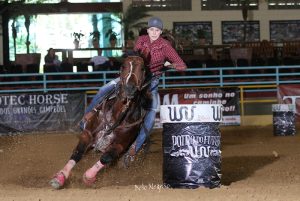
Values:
[(113, 125)]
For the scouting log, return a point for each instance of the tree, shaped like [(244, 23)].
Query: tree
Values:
[(17, 12), (129, 20), (27, 25), (14, 34), (95, 34)]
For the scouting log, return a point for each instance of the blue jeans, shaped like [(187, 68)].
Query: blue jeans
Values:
[(102, 93), (98, 98), (149, 117)]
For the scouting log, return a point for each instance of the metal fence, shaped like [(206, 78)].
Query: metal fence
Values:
[(192, 77), (260, 80)]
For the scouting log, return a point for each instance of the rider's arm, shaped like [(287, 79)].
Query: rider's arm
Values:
[(173, 57)]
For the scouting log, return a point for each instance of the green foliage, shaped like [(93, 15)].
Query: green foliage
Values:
[(111, 35), (130, 19), (77, 35), (17, 12), (95, 35)]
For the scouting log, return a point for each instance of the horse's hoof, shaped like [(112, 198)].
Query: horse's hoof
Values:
[(88, 181), (58, 180), (128, 160)]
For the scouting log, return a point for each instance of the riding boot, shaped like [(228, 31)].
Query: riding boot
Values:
[(128, 157), (133, 155), (131, 150)]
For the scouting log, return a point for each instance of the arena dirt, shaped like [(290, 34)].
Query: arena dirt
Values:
[(255, 166)]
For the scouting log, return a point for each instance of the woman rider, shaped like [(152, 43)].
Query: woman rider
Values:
[(160, 51)]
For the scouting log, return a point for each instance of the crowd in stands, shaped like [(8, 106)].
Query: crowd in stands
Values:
[(99, 62), (263, 53)]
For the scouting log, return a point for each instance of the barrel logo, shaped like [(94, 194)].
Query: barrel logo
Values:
[(182, 113), (191, 113), (217, 112)]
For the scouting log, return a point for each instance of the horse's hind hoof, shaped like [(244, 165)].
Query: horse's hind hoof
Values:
[(58, 180), (88, 181)]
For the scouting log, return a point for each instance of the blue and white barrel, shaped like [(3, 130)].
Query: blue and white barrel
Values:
[(284, 118), (191, 145)]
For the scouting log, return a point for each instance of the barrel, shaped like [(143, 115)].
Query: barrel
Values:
[(191, 145), (284, 119)]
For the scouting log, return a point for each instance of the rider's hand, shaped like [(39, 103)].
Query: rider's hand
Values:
[(177, 67), (180, 67)]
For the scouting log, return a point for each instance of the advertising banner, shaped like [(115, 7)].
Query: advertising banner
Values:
[(190, 113), (227, 97), (290, 94), (40, 112)]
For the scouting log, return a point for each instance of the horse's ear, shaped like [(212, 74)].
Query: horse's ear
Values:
[(145, 54)]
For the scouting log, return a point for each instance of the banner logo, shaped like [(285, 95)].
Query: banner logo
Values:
[(217, 113), (182, 109)]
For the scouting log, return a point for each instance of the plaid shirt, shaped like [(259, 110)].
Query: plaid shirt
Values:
[(160, 51)]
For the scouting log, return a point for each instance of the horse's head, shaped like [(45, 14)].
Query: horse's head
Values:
[(132, 75)]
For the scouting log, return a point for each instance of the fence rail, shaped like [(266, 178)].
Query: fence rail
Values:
[(250, 81), (192, 77)]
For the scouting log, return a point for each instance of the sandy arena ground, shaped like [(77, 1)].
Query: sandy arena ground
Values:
[(256, 166)]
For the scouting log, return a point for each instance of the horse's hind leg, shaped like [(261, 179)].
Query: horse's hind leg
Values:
[(89, 177), (61, 176)]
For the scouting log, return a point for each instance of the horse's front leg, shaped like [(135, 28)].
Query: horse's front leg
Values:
[(61, 176), (89, 177)]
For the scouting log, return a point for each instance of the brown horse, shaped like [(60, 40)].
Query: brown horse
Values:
[(113, 125)]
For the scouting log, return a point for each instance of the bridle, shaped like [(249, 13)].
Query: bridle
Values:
[(131, 74), (125, 108), (109, 125)]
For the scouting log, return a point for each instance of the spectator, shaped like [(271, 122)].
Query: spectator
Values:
[(101, 62), (52, 63)]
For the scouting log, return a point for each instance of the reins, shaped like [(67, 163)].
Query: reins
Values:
[(119, 119), (109, 124), (130, 74), (125, 108)]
